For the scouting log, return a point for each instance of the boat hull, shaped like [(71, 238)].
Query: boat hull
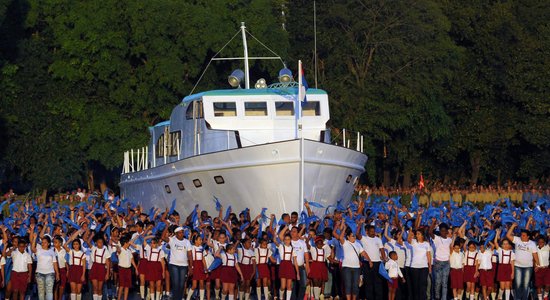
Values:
[(255, 177)]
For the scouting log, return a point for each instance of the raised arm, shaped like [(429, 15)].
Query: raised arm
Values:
[(510, 232), (386, 231)]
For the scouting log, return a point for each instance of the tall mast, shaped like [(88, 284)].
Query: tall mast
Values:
[(246, 75)]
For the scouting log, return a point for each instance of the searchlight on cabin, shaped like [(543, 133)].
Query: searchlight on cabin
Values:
[(235, 78), (261, 84), (285, 75)]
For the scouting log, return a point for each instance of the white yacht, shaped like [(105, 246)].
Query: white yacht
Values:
[(254, 148)]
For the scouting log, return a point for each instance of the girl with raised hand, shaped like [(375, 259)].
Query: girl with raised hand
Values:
[(505, 273), (351, 263), (101, 266), (47, 271), (318, 272), (77, 265), (263, 255), (198, 266), (471, 272), (229, 271), (288, 268), (247, 263), (156, 267), (421, 263)]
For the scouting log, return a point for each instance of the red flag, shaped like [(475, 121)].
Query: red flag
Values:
[(421, 182)]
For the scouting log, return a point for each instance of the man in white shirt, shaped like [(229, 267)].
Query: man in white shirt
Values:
[(375, 250), (302, 259), (180, 260), (442, 243), (526, 254)]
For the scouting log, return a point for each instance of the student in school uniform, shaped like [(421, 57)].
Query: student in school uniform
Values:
[(230, 271), (198, 267), (542, 273), (77, 265), (21, 271), (263, 256), (125, 264), (456, 262), (247, 263), (505, 273), (485, 269), (318, 272), (142, 262), (100, 256), (394, 272), (288, 267), (156, 267), (471, 273), (60, 252), (218, 244)]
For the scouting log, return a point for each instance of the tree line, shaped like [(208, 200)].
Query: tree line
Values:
[(458, 90)]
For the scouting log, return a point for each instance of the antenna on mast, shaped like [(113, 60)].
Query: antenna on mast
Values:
[(246, 71), (315, 40)]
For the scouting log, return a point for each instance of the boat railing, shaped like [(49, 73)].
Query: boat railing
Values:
[(136, 160)]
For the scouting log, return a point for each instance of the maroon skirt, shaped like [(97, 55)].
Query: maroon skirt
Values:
[(75, 274), (19, 281), (98, 272), (154, 271), (469, 274), (198, 271), (542, 277), (394, 284), (318, 271), (229, 275), (263, 271), (504, 272), (216, 273), (125, 277), (63, 277), (143, 266), (486, 277), (457, 279), (287, 270), (248, 271)]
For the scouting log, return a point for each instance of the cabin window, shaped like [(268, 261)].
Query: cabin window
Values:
[(225, 109), (167, 189), (189, 111), (284, 108), (180, 186), (348, 179), (197, 183), (255, 109), (311, 109), (219, 179), (171, 146)]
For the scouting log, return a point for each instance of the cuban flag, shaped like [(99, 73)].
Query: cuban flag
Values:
[(302, 83)]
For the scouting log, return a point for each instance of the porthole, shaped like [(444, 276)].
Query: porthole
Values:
[(348, 180), (197, 183), (167, 189), (180, 186), (219, 179)]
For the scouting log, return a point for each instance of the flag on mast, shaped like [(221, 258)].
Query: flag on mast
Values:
[(421, 182), (302, 83)]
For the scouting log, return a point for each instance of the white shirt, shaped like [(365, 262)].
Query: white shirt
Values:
[(45, 260), (524, 253), (408, 254), (100, 255), (125, 258), (61, 261), (228, 260), (372, 246), (155, 254), (543, 254), (178, 251), (262, 255), (484, 259), (351, 254), (320, 255), (300, 248), (456, 260), (420, 254), (20, 261), (76, 258), (393, 269), (505, 256), (286, 252), (197, 252), (246, 256), (442, 248), (470, 258)]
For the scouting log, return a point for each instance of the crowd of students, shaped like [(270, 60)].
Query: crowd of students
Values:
[(103, 247)]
